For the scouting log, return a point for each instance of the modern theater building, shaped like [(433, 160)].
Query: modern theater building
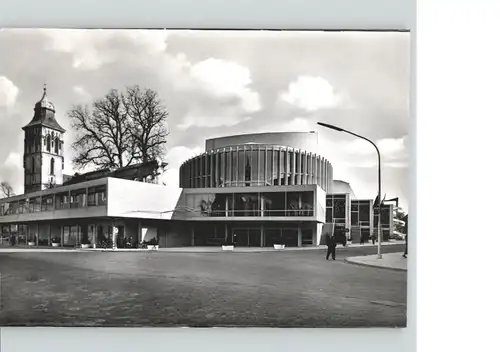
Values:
[(255, 189)]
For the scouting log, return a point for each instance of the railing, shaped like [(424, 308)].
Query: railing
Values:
[(257, 213)]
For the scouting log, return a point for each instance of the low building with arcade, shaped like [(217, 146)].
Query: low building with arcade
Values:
[(253, 190)]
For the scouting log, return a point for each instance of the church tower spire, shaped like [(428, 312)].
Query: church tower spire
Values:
[(43, 148)]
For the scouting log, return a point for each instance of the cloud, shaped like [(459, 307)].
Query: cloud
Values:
[(175, 157), (12, 172), (222, 89), (392, 151), (311, 93), (81, 93), (226, 79), (8, 92), (179, 154), (91, 49)]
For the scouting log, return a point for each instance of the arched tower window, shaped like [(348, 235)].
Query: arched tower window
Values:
[(48, 142), (56, 145), (33, 163), (52, 166)]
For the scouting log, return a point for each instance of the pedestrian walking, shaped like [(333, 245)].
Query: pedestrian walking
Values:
[(331, 244)]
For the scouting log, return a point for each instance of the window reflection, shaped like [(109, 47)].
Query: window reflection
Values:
[(246, 204), (251, 204), (274, 204)]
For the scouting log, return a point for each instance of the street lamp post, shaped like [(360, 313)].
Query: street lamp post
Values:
[(379, 246)]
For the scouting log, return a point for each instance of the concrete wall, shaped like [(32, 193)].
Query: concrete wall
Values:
[(320, 204), (139, 200), (300, 140)]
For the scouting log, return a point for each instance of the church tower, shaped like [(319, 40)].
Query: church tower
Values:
[(43, 148)]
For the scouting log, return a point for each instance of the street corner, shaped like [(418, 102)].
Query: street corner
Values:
[(390, 261)]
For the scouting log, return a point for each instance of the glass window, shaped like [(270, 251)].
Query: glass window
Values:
[(11, 208), (297, 168), (62, 201), (329, 201), (274, 204), (34, 205), (243, 163), (317, 168), (203, 162), (230, 204), (261, 171), (246, 204), (300, 203), (213, 180), (269, 167), (217, 170), (219, 205), (202, 203), (339, 209), (307, 237), (23, 206), (329, 215), (227, 179), (77, 198), (96, 196), (252, 172), (282, 154), (52, 166), (354, 219), (385, 216), (364, 211), (293, 203), (276, 164), (303, 165), (209, 170), (308, 203), (234, 168), (195, 171)]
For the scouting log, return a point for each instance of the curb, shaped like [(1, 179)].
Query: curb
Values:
[(349, 261)]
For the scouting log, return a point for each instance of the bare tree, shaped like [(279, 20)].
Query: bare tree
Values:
[(120, 129), (147, 118), (7, 189), (103, 137)]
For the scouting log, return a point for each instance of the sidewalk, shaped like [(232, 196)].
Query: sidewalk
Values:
[(391, 261), (215, 249)]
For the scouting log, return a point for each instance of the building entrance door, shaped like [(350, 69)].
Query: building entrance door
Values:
[(254, 237), (290, 237), (240, 237), (246, 237)]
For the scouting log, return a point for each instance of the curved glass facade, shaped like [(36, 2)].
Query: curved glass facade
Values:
[(256, 165)]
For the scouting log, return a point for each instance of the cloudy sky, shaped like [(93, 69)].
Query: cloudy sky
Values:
[(217, 83)]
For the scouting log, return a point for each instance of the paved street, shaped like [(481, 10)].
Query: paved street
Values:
[(285, 289)]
